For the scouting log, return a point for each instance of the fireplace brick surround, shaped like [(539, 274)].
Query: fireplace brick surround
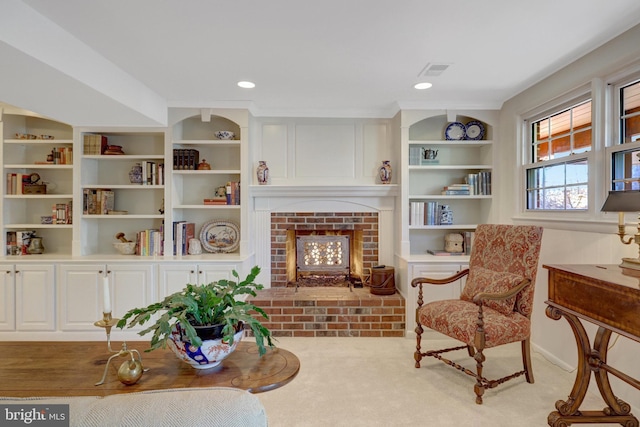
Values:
[(326, 311), (282, 222)]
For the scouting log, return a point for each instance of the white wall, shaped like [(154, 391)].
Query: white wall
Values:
[(592, 241)]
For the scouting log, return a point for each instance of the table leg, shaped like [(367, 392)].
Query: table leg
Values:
[(589, 360)]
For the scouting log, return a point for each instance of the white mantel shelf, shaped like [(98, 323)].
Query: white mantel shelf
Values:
[(311, 191)]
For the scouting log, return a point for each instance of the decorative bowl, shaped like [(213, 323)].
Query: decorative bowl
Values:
[(47, 137), (125, 248), (225, 134), (209, 355), (46, 219)]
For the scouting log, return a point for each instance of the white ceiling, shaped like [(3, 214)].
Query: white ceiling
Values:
[(128, 61)]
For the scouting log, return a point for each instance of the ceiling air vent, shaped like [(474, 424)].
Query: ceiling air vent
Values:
[(433, 69)]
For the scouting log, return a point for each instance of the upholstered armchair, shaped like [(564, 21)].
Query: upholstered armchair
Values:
[(495, 305)]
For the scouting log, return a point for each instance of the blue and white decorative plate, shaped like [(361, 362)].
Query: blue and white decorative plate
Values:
[(475, 130), (455, 131), (220, 236)]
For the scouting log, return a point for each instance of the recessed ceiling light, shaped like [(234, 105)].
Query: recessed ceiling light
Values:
[(423, 85), (246, 84)]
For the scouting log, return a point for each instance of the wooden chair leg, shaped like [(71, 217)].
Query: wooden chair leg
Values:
[(526, 360), (418, 354), (479, 387), (471, 350)]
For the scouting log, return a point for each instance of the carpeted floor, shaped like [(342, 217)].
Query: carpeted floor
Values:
[(373, 382)]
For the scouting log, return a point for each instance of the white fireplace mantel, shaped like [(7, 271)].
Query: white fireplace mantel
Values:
[(324, 190)]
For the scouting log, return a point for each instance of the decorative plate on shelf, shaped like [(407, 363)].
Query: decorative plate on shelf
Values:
[(455, 131), (220, 236), (475, 130)]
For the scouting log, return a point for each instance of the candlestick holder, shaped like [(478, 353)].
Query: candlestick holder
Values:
[(131, 370)]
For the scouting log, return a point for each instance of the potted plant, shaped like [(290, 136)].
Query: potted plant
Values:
[(195, 307)]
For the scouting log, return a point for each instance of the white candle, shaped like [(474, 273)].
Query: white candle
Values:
[(620, 218), (107, 295)]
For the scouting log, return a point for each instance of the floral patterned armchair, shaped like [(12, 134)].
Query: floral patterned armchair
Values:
[(495, 305)]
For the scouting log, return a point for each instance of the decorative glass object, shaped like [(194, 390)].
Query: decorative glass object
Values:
[(446, 215)]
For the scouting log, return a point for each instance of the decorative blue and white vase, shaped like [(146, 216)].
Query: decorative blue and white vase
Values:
[(446, 215), (135, 174), (262, 171), (385, 172)]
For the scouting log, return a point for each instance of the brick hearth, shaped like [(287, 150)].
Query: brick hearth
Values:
[(331, 312)]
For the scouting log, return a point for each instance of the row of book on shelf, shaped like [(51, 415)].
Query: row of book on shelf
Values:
[(467, 245), (152, 173), (475, 184), (150, 242), (185, 159), (98, 201), (94, 144), (183, 231), (58, 156), (425, 213), (61, 213)]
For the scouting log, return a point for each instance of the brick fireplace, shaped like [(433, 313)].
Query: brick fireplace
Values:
[(366, 213), (361, 226)]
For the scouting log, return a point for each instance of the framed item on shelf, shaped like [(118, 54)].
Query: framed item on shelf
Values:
[(220, 236), (455, 131)]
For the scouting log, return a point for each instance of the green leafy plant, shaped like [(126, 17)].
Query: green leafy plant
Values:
[(204, 305)]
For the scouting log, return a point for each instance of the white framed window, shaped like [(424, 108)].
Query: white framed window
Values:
[(558, 144), (625, 150)]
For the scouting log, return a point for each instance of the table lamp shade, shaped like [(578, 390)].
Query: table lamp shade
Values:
[(622, 201)]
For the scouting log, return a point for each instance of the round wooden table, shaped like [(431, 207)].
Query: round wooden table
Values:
[(73, 368)]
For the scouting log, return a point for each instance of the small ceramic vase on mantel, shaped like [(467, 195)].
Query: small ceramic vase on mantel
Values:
[(385, 172), (262, 171)]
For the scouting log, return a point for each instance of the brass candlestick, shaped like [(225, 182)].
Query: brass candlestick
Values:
[(131, 370)]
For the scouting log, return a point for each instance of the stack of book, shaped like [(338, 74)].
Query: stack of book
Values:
[(457, 190)]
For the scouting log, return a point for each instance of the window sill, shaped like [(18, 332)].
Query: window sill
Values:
[(573, 224)]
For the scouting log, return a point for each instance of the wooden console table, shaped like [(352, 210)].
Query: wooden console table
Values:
[(602, 295), (71, 368)]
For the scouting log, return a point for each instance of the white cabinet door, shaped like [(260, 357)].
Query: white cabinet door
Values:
[(132, 285), (175, 276), (35, 297), (7, 298), (28, 297), (81, 297), (439, 292)]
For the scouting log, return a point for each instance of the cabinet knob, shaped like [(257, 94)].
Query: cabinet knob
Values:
[(100, 271), (199, 272), (192, 271)]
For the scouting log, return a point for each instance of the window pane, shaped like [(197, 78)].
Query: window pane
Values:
[(558, 187), (566, 133), (577, 197), (626, 170), (582, 141), (630, 119), (554, 175), (554, 198), (561, 123), (561, 147)]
